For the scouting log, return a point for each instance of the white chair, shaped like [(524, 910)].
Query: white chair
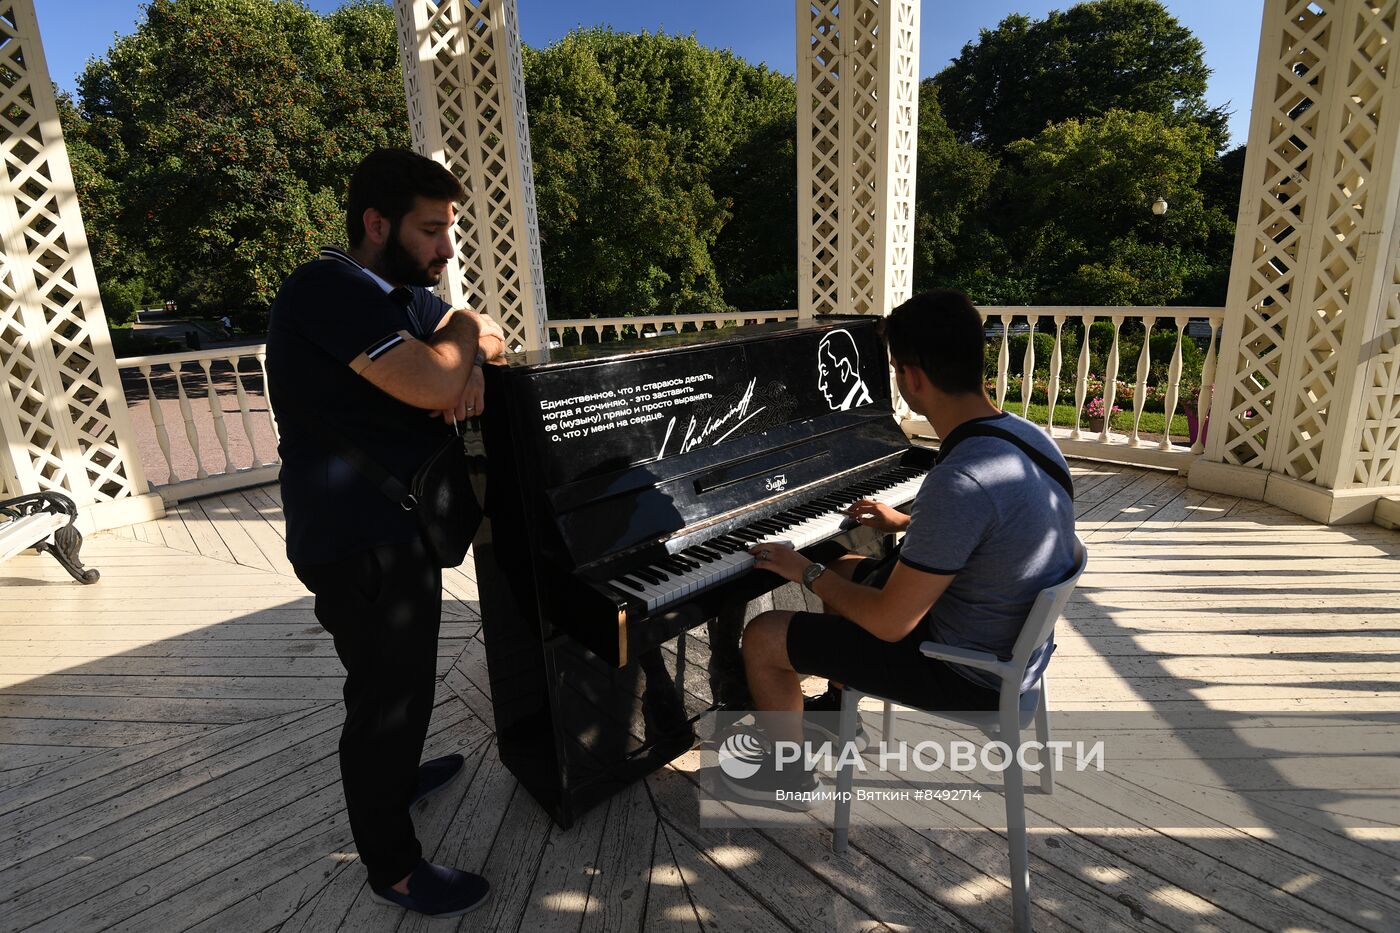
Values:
[(1017, 711)]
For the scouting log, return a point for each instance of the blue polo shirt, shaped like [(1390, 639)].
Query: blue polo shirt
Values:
[(1004, 530), (330, 320)]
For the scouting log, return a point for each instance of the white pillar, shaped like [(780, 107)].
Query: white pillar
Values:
[(63, 416), (857, 128), (1307, 404), (466, 102)]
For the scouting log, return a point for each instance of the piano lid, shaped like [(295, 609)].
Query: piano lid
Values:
[(604, 409)]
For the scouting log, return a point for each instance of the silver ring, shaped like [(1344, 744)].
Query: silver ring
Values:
[(763, 554)]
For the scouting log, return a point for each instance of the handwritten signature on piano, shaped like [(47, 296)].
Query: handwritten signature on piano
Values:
[(694, 438)]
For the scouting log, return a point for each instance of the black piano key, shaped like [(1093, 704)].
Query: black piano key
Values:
[(649, 574), (713, 555), (724, 545), (629, 582), (747, 535), (703, 557)]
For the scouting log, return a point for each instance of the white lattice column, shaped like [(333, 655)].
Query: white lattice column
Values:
[(466, 101), (1305, 411), (857, 128), (63, 415)]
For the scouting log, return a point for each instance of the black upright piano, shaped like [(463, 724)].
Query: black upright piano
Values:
[(623, 483)]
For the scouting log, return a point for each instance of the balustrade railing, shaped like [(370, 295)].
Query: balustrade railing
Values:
[(208, 426), (1156, 375), (603, 329)]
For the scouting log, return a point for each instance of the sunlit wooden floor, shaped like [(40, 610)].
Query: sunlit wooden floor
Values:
[(168, 737)]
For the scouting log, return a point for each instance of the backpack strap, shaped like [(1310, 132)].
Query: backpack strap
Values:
[(1051, 469)]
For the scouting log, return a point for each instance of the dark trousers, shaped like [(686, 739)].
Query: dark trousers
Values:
[(383, 607)]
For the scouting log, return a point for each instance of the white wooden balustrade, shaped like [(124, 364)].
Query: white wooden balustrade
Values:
[(1109, 442), (202, 391), (599, 329), (206, 427)]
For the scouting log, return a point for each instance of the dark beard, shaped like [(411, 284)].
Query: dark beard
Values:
[(401, 267)]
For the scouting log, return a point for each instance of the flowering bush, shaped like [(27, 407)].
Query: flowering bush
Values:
[(1095, 408)]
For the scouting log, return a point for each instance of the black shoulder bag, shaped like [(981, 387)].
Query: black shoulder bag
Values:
[(439, 495)]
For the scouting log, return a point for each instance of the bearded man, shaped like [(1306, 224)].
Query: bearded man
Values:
[(365, 363)]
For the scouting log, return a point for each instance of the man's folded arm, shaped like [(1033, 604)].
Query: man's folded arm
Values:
[(429, 374)]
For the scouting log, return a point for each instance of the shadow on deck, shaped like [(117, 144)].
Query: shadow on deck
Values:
[(169, 741)]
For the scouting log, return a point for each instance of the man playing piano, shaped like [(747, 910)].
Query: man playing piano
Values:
[(992, 525), (360, 354)]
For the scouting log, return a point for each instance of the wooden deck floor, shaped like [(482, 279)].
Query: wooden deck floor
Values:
[(168, 738)]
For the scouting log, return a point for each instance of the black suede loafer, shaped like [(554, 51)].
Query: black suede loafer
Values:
[(437, 891), (435, 774)]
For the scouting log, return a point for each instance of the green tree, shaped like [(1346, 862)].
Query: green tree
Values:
[(952, 183), (1080, 63), (1076, 209), (227, 129), (121, 267), (646, 148)]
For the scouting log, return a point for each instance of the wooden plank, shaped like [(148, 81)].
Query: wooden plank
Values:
[(771, 879), (94, 733), (1341, 889), (202, 532), (189, 711), (558, 899), (231, 531), (617, 898), (271, 545), (311, 884), (80, 798), (669, 907)]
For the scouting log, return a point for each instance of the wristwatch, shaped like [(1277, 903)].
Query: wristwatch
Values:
[(810, 574)]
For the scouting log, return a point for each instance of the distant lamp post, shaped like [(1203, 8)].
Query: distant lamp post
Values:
[(1159, 206)]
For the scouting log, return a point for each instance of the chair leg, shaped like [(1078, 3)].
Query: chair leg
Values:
[(845, 776), (1014, 790), (1042, 734)]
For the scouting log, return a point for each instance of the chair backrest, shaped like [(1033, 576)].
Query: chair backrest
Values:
[(1040, 621)]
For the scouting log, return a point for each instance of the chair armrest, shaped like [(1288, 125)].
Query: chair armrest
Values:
[(968, 657)]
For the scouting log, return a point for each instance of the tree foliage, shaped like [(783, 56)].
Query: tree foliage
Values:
[(652, 155), (1082, 62), (219, 137), (211, 150), (1090, 115)]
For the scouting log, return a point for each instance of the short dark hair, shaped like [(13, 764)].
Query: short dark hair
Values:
[(940, 332), (388, 180)]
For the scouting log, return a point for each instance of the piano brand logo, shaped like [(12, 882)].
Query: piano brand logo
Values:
[(776, 483), (741, 755)]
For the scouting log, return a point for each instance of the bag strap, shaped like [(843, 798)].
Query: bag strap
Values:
[(388, 484), (1052, 469)]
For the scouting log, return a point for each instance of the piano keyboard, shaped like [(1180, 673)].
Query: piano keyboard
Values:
[(726, 556)]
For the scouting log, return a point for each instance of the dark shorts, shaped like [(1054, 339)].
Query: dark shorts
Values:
[(838, 649)]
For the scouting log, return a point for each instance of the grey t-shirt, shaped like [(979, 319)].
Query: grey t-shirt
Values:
[(988, 515)]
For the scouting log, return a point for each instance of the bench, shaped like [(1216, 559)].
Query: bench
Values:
[(44, 521)]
